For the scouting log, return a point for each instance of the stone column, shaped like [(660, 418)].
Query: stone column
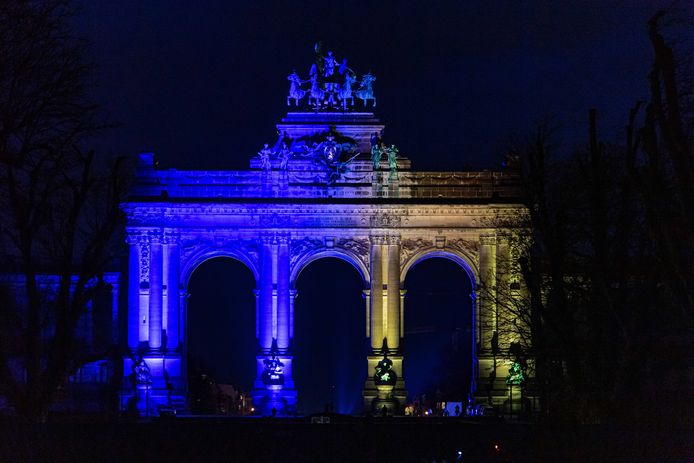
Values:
[(155, 292), (366, 294), (487, 292), (392, 265), (283, 296), (115, 307), (402, 312), (503, 260), (172, 291), (266, 289), (292, 298), (376, 321), (143, 315), (257, 314), (182, 318), (133, 292)]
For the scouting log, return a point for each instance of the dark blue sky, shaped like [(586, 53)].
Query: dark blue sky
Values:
[(203, 83)]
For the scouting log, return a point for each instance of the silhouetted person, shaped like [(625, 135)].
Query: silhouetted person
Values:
[(274, 412), (384, 411)]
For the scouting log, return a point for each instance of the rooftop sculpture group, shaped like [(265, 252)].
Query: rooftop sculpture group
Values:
[(332, 90), (331, 84)]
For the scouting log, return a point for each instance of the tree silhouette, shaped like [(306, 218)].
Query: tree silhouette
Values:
[(58, 207)]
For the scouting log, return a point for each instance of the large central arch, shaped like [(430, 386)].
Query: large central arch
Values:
[(329, 345), (279, 217)]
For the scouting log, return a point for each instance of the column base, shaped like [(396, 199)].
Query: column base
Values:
[(274, 402)]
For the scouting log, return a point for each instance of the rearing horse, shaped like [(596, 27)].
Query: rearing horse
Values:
[(317, 94), (295, 91), (365, 91), (345, 92)]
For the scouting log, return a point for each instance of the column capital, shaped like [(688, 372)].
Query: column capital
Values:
[(171, 237), (132, 239), (503, 238), (377, 239), (394, 240), (155, 236), (487, 240)]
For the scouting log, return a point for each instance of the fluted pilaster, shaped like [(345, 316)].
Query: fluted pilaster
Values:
[(156, 273)]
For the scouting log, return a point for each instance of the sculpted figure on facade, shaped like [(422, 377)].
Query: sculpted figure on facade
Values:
[(332, 84), (264, 154), (295, 91), (410, 247), (317, 94), (376, 150), (345, 92), (365, 91), (275, 223), (392, 153), (285, 155)]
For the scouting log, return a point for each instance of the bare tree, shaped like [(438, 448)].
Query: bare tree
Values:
[(59, 208), (608, 271)]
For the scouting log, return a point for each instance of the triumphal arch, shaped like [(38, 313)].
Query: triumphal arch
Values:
[(328, 186)]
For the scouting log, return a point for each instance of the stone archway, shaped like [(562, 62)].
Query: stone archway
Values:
[(277, 217), (219, 331), (439, 328), (329, 345)]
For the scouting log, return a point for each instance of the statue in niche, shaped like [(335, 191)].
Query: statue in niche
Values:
[(295, 91), (265, 157), (285, 155), (365, 91)]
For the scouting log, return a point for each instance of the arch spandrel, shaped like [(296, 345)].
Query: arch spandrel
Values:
[(352, 251), (195, 255), (465, 259)]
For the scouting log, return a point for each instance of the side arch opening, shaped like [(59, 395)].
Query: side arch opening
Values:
[(439, 333)]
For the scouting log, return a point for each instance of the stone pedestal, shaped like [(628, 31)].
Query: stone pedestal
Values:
[(280, 397)]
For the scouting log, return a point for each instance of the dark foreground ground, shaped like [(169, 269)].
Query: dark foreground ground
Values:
[(342, 440)]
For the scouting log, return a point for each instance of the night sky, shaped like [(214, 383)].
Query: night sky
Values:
[(202, 84)]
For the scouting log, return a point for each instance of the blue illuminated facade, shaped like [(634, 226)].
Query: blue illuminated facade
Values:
[(328, 186), (316, 192)]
